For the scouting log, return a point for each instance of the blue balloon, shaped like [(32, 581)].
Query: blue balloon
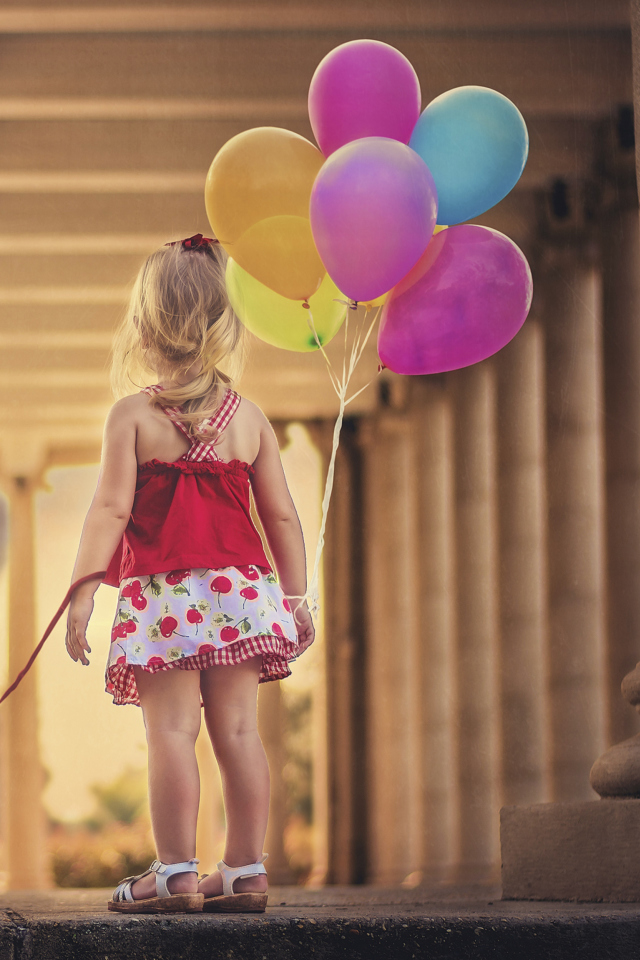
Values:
[(475, 142)]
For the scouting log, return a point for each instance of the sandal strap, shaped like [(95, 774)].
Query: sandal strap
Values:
[(165, 870), (162, 871), (231, 874), (123, 890)]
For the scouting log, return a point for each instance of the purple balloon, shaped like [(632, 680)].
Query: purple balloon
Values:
[(373, 211), (363, 88), (462, 302)]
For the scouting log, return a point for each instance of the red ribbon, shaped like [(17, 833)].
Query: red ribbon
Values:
[(63, 606), (196, 242)]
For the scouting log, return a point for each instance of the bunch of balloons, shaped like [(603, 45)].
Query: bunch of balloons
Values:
[(358, 218)]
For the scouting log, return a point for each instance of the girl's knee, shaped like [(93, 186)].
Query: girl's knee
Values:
[(184, 729), (233, 736)]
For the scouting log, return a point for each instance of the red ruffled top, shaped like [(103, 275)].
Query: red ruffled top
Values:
[(188, 514)]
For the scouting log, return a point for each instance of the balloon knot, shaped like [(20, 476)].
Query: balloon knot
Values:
[(306, 305), (353, 304), (381, 367)]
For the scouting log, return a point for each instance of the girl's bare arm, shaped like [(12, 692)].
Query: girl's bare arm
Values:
[(106, 520), (281, 527)]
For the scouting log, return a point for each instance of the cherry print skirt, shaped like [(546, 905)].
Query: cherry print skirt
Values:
[(193, 619)]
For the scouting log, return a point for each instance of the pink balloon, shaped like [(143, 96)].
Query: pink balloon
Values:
[(462, 302), (373, 211), (363, 88)]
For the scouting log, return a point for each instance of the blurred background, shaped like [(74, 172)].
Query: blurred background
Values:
[(481, 579)]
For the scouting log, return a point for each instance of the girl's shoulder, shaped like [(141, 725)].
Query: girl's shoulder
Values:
[(129, 407), (250, 411)]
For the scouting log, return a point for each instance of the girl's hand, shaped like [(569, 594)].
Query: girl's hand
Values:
[(304, 627), (80, 611)]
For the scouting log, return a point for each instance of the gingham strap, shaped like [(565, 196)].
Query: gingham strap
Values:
[(201, 449)]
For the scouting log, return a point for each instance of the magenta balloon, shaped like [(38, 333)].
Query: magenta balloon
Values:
[(373, 211), (463, 301), (363, 88)]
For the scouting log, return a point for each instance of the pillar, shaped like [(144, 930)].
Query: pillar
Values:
[(621, 343), (440, 799), (477, 619), (523, 573), (571, 291), (635, 46), (392, 649), (26, 828), (344, 669)]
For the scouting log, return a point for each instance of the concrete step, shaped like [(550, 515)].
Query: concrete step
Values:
[(359, 923)]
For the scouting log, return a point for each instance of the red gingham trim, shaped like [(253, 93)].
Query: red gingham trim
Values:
[(201, 450), (275, 652)]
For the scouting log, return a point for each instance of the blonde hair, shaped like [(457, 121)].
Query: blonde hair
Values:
[(179, 313)]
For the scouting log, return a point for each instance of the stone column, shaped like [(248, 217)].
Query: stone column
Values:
[(635, 44), (523, 580), (477, 619), (392, 649), (433, 431), (571, 291), (621, 341), (271, 727), (26, 829), (344, 638)]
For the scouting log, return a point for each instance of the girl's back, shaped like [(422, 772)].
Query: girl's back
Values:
[(157, 437)]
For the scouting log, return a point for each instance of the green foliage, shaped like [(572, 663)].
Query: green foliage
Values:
[(124, 800), (298, 771), (113, 843), (81, 857)]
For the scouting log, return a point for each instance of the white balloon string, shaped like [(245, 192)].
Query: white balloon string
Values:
[(312, 596)]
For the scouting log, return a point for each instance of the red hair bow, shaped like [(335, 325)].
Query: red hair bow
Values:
[(197, 242)]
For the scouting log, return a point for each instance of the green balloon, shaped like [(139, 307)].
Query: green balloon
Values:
[(280, 321)]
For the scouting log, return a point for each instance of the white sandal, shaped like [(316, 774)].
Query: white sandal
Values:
[(164, 901), (230, 902)]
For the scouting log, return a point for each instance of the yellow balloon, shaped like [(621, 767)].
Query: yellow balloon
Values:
[(282, 255), (280, 321), (378, 302), (257, 198)]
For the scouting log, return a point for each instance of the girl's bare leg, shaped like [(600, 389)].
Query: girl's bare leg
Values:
[(230, 698), (170, 703)]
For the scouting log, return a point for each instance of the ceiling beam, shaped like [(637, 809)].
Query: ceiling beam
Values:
[(64, 295), (460, 15), (100, 181), (89, 244), (56, 339), (121, 108)]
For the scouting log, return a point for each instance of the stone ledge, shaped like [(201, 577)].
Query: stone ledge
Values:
[(358, 923), (583, 851)]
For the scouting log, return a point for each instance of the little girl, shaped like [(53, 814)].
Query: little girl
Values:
[(201, 619)]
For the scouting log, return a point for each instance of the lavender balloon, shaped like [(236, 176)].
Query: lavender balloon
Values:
[(462, 302), (363, 88), (373, 211)]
